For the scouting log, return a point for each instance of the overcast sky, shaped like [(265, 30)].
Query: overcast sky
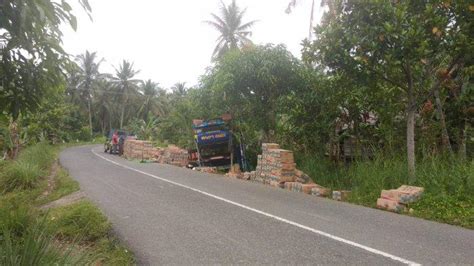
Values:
[(168, 41)]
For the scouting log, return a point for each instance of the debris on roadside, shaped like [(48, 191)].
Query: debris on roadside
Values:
[(341, 195), (206, 169), (397, 199), (320, 191)]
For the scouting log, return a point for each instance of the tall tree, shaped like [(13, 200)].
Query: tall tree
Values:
[(31, 56), (152, 103), (249, 84), (104, 104), (234, 33), (179, 88), (89, 76), (397, 46), (126, 85)]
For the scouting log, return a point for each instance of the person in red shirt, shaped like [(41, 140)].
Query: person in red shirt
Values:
[(115, 140)]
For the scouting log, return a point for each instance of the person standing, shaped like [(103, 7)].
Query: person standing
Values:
[(115, 141)]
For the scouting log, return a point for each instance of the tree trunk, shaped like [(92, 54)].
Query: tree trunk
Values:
[(90, 115), (411, 144), (446, 144), (411, 112), (15, 139), (121, 116)]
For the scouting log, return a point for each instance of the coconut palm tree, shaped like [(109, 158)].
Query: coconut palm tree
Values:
[(88, 77), (153, 102), (233, 32), (179, 88), (104, 104), (127, 86)]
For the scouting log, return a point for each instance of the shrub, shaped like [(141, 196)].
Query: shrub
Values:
[(448, 183), (36, 247), (41, 154), (81, 220), (15, 216), (21, 175)]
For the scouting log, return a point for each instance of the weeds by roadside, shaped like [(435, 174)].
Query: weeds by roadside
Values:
[(448, 183), (78, 235)]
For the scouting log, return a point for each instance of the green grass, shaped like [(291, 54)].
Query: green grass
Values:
[(448, 183), (63, 185), (36, 246), (78, 234), (21, 175), (113, 253), (81, 220), (26, 172)]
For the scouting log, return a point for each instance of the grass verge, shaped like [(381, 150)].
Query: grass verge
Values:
[(448, 183), (75, 234)]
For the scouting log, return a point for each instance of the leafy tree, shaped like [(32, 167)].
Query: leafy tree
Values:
[(179, 89), (89, 76), (153, 100), (127, 86), (31, 56), (250, 83), (104, 104), (397, 46), (30, 50), (234, 33)]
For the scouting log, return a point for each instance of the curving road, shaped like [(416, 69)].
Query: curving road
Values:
[(171, 215)]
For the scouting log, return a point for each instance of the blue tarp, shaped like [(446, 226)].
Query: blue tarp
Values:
[(213, 137), (208, 123)]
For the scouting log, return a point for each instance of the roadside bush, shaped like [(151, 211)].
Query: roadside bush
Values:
[(24, 173), (448, 183), (15, 216), (36, 247), (40, 154), (21, 175), (82, 221)]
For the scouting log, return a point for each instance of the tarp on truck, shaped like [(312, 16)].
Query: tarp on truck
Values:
[(212, 137)]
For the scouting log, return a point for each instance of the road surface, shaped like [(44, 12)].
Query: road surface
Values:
[(172, 215)]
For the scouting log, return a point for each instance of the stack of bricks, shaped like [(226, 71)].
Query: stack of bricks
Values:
[(300, 187), (397, 199), (174, 155), (139, 149), (275, 166)]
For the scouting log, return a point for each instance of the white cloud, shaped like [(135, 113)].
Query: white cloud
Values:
[(168, 41)]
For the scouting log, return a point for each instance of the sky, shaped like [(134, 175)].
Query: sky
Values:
[(168, 40)]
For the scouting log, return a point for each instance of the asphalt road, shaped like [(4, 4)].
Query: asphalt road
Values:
[(171, 215)]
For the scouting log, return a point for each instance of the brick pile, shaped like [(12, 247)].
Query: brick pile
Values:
[(173, 155), (144, 150), (397, 199), (275, 166), (139, 149)]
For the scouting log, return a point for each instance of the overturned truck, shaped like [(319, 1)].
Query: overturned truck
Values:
[(214, 142)]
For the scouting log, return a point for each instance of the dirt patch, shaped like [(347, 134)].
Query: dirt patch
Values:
[(51, 180), (64, 201)]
